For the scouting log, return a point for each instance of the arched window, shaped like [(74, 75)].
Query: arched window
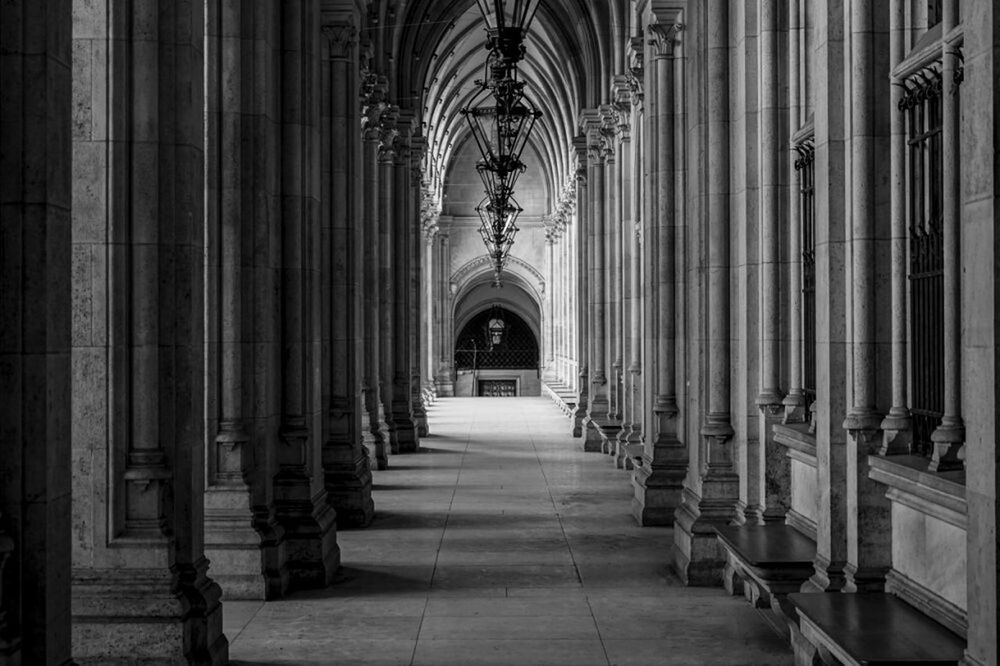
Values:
[(496, 339)]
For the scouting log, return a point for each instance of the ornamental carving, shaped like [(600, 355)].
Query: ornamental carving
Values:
[(927, 84), (373, 93)]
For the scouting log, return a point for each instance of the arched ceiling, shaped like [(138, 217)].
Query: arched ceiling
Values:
[(436, 52)]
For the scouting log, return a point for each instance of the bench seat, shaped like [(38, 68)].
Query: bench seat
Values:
[(765, 562), (869, 628)]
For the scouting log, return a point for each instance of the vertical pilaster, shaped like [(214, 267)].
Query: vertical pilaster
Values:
[(300, 494), (869, 520), (403, 226), (897, 434), (242, 538), (443, 315), (580, 422), (771, 500), (36, 70), (140, 579), (831, 305), (980, 252), (599, 404), (375, 430), (949, 436), (696, 551), (658, 482), (634, 387), (346, 465)]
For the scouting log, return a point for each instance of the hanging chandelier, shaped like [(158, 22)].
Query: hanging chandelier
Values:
[(502, 118)]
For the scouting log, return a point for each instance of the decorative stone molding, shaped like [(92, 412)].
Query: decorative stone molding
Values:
[(481, 264), (372, 94), (636, 69)]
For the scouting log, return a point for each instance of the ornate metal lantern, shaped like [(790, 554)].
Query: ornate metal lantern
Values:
[(502, 118), (496, 327)]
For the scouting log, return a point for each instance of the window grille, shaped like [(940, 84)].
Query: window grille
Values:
[(922, 106), (805, 165), (518, 348)]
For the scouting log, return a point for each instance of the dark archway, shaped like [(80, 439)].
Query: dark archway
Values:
[(497, 365)]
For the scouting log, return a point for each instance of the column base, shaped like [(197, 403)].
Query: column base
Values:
[(349, 492), (580, 416), (237, 550), (404, 433), (592, 440), (609, 430), (383, 436), (827, 577), (152, 616), (657, 494), (697, 556), (310, 534)]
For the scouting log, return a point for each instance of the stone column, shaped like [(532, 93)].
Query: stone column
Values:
[(897, 435), (346, 465), (626, 261), (831, 307), (772, 493), (658, 482), (300, 494), (141, 589), (612, 275), (445, 379), (549, 297), (580, 423), (417, 311), (376, 435), (697, 554), (402, 226), (40, 118), (599, 404), (869, 520), (796, 409), (949, 436), (980, 332), (384, 269), (634, 387), (242, 538)]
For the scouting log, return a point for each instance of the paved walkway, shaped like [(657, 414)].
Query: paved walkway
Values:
[(503, 543)]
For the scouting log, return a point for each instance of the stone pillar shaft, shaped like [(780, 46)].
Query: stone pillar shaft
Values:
[(300, 496), (949, 436), (35, 335), (770, 495), (796, 410), (582, 272), (346, 466), (140, 583)]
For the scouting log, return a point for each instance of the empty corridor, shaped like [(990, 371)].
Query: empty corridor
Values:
[(502, 542)]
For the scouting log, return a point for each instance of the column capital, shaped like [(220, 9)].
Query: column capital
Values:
[(341, 38), (663, 36)]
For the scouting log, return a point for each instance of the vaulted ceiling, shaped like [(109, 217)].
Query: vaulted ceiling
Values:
[(435, 53)]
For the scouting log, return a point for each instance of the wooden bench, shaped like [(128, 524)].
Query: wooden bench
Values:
[(765, 562), (869, 628)]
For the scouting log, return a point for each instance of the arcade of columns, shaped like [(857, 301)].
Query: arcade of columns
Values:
[(236, 304)]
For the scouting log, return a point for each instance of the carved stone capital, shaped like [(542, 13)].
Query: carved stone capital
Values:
[(662, 37), (341, 39)]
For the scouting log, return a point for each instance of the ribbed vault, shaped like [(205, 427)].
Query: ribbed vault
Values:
[(437, 55)]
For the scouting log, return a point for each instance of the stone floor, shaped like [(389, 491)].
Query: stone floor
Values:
[(502, 542)]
